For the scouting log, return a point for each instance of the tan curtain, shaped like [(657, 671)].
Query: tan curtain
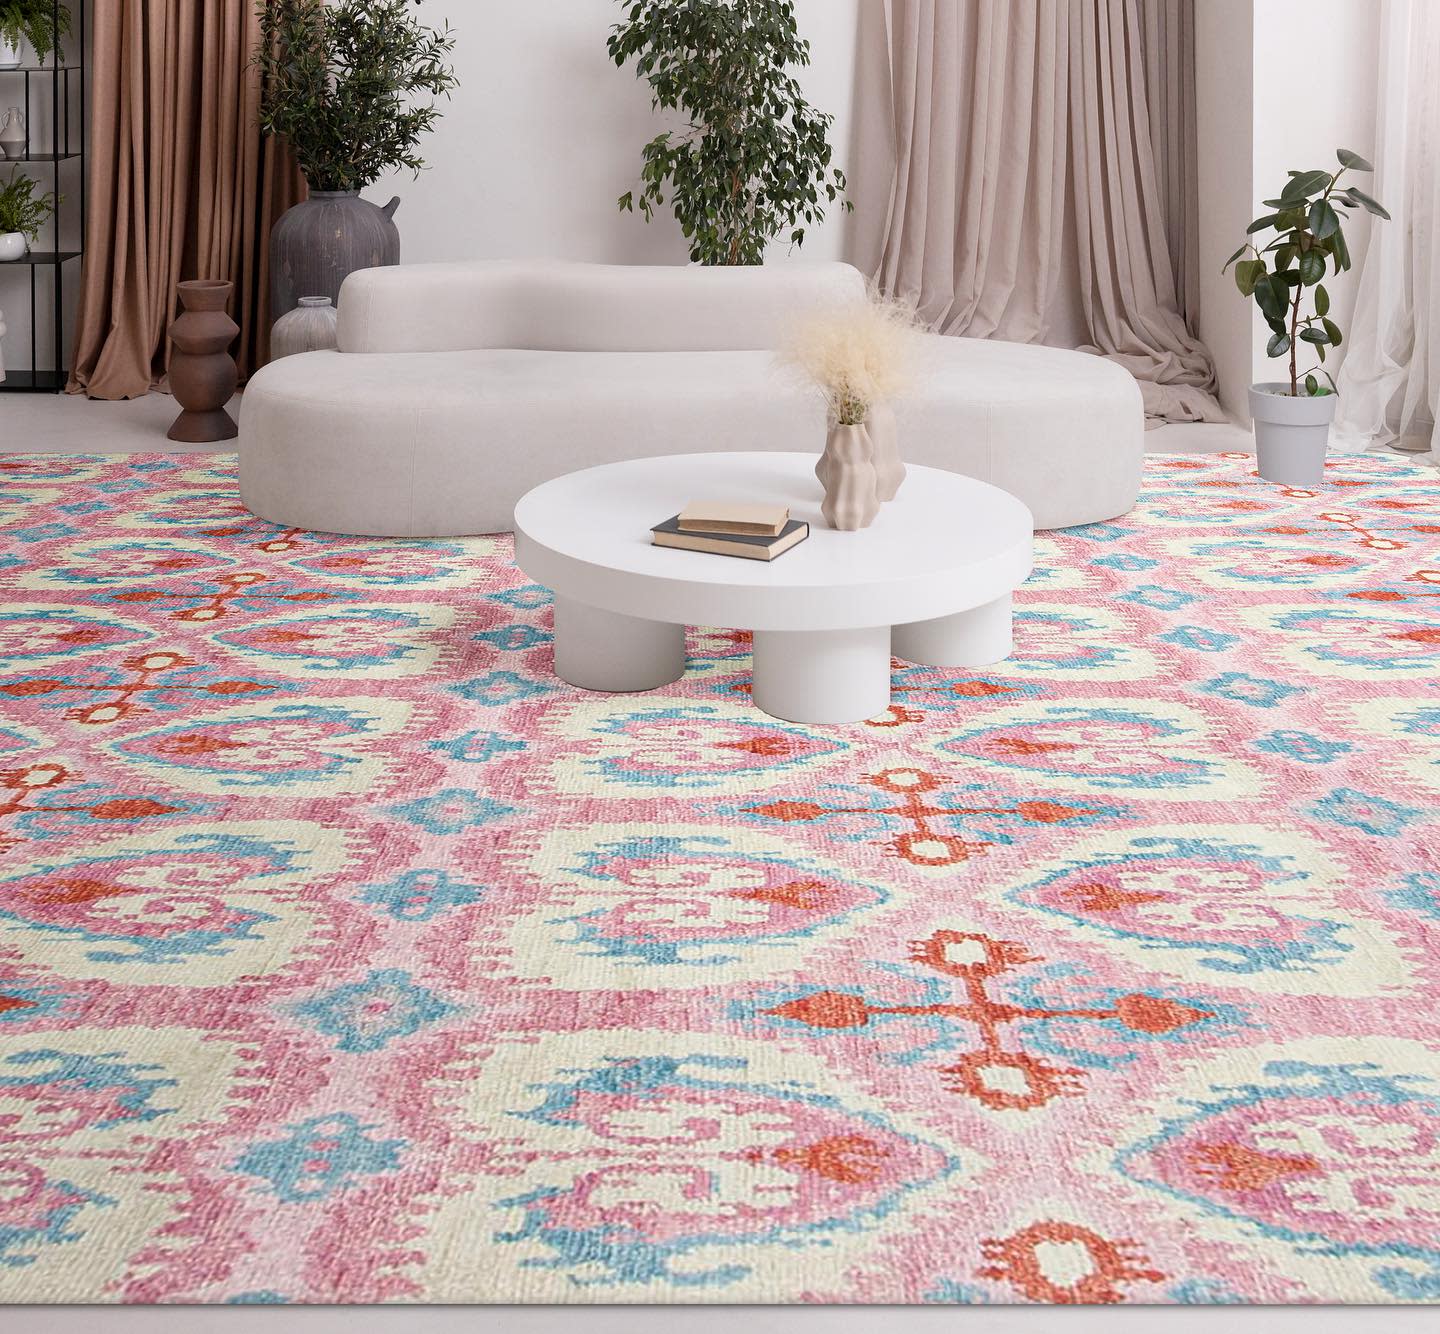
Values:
[(181, 185), (1041, 180)]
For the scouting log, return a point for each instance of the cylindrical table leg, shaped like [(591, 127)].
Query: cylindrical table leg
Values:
[(822, 676), (967, 639), (605, 650)]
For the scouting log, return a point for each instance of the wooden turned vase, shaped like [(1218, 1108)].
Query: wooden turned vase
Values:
[(202, 371)]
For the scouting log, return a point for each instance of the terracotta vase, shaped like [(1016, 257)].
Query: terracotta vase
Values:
[(202, 371), (847, 472), (885, 440)]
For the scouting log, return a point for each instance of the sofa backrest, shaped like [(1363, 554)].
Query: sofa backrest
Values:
[(560, 306)]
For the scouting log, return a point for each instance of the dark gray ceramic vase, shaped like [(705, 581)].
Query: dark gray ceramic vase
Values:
[(323, 238)]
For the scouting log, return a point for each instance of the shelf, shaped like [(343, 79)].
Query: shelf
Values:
[(40, 258), (37, 69), (39, 157), (33, 382)]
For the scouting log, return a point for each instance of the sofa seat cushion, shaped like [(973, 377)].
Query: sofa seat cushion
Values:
[(445, 443)]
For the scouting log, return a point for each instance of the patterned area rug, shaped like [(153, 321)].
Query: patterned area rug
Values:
[(345, 955)]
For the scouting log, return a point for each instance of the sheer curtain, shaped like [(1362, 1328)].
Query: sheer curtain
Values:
[(1390, 380), (1041, 180)]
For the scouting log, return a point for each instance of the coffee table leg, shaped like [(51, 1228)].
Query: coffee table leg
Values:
[(822, 676), (967, 639), (604, 650)]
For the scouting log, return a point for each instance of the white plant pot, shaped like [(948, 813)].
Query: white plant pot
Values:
[(13, 246), (1291, 434), (9, 55)]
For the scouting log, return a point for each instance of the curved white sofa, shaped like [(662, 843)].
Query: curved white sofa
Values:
[(458, 387)]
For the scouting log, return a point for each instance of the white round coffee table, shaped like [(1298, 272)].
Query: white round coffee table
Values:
[(929, 581)]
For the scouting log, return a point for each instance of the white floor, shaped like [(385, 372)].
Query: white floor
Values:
[(73, 424)]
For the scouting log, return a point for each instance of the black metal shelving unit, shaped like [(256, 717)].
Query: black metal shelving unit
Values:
[(48, 84)]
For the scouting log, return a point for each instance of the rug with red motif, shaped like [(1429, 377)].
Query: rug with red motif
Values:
[(348, 956)]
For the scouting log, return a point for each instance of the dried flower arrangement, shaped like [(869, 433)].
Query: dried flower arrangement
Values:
[(856, 355)]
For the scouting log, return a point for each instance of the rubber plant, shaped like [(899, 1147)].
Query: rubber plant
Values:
[(1286, 260), (39, 22), (754, 158), (339, 79), (22, 209)]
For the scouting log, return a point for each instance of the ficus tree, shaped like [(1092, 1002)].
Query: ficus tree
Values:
[(339, 82), (1285, 261), (753, 160)]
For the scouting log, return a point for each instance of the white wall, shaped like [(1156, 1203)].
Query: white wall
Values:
[(544, 133), (1319, 96), (1226, 159), (1280, 84)]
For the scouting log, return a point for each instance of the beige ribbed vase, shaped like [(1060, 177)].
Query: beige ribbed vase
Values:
[(885, 448), (847, 472)]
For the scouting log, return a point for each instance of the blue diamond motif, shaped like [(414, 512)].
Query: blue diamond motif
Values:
[(1200, 638), (1246, 689), (477, 747), (452, 811), (1303, 747), (499, 688), (366, 1016), (417, 896), (323, 1156), (1359, 810)]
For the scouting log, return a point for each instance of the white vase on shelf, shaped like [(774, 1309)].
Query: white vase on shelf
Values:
[(13, 246), (9, 55), (12, 133)]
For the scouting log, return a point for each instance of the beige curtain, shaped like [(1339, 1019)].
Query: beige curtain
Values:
[(1040, 183), (181, 185)]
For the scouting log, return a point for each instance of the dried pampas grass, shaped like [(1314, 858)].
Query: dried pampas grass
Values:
[(856, 356)]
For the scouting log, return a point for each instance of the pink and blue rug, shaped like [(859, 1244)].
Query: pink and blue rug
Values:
[(346, 956)]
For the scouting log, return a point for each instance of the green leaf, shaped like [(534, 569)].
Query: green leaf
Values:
[(1271, 295), (1324, 221), (1312, 267), (1247, 274), (1260, 224), (1322, 297), (1364, 200), (1333, 330), (1303, 185), (1234, 257), (1312, 385), (1341, 252), (1278, 345), (1352, 160), (1317, 336)]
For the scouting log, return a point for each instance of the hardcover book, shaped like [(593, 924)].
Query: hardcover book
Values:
[(732, 517), (750, 546)]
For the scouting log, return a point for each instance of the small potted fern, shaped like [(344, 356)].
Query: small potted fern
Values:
[(23, 213), (40, 22), (1279, 268)]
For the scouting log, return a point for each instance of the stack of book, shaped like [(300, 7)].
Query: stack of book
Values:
[(755, 532)]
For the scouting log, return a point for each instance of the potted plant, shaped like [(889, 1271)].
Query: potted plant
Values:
[(22, 214), (39, 22), (339, 77), (1282, 273), (754, 160)]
